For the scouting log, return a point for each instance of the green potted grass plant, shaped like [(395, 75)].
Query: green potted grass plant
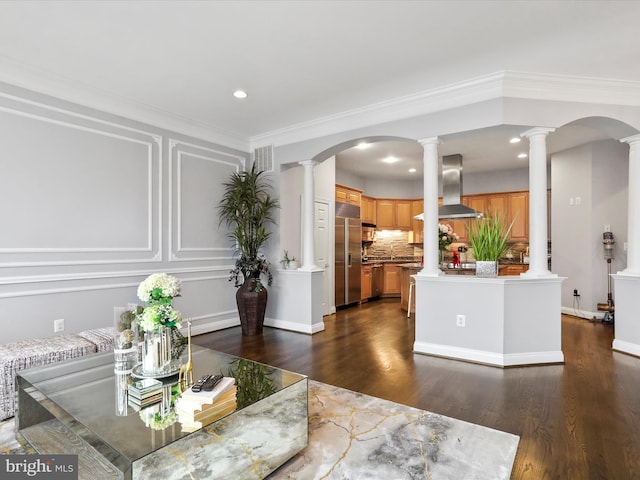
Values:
[(488, 237), (246, 209)]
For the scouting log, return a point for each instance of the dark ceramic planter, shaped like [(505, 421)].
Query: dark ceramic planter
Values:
[(252, 306)]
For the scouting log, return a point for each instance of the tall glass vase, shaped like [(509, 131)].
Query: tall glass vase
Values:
[(156, 352)]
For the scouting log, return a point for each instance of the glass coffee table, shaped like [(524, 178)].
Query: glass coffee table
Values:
[(79, 407)]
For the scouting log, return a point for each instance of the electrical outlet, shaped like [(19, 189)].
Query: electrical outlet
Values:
[(461, 320), (607, 227), (58, 325)]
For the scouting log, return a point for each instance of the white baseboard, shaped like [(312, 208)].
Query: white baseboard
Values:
[(294, 327), (211, 326), (268, 322), (488, 358), (582, 313), (626, 347)]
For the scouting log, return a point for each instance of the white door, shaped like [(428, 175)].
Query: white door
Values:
[(322, 237)]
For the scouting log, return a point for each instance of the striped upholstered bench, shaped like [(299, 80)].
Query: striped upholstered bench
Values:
[(43, 351)]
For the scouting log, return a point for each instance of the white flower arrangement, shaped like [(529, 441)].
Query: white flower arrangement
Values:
[(159, 285), (158, 290), (155, 316), (156, 420)]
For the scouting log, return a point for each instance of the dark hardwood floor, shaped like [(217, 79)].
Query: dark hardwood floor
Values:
[(580, 420)]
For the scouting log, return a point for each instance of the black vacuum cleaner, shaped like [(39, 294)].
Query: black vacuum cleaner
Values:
[(608, 308)]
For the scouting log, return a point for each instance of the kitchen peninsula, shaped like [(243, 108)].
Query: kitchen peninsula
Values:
[(410, 269)]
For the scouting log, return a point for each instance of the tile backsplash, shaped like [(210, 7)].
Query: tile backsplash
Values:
[(396, 244), (392, 243)]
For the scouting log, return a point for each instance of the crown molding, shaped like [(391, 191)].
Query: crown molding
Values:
[(454, 95), (566, 88), (513, 84), (42, 82)]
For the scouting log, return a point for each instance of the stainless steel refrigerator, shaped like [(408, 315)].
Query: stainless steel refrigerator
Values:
[(348, 254)]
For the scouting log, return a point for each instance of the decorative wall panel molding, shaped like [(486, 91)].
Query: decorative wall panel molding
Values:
[(196, 174), (82, 282), (83, 190), (92, 204)]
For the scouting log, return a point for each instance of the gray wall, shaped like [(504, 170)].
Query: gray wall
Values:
[(473, 183), (597, 174), (92, 203)]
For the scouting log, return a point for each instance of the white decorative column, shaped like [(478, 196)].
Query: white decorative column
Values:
[(627, 282), (308, 260), (538, 234), (633, 225), (430, 160)]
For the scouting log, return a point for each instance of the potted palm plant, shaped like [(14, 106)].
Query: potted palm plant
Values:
[(246, 209), (488, 237)]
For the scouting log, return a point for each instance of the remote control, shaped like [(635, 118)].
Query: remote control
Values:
[(211, 382), (196, 387)]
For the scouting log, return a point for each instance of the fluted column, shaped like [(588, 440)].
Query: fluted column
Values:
[(633, 208), (308, 260), (538, 232), (430, 160)]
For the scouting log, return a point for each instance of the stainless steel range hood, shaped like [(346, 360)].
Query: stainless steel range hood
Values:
[(452, 191)]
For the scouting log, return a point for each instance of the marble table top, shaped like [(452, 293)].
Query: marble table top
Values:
[(355, 436)]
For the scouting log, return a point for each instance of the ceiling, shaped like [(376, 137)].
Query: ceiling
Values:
[(305, 60), (482, 151)]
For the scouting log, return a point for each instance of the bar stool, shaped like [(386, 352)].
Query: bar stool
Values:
[(412, 284)]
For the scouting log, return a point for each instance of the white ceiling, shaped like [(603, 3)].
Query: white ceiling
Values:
[(482, 151), (303, 60)]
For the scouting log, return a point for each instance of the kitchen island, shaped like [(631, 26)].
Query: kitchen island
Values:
[(409, 269), (502, 321)]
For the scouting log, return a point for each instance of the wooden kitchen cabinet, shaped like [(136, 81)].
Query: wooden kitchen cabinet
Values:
[(515, 269), (365, 287), (405, 280), (417, 207), (385, 214), (518, 207), (404, 219), (368, 209), (348, 195), (393, 214), (508, 204), (460, 225), (391, 280)]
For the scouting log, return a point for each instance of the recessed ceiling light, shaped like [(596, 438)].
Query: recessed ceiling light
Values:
[(522, 155), (390, 159), (412, 170), (515, 140), (363, 145), (240, 94)]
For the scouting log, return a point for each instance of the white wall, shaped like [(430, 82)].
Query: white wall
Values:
[(597, 175), (291, 190), (92, 204)]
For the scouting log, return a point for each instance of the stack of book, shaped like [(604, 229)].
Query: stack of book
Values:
[(145, 392), (198, 409)]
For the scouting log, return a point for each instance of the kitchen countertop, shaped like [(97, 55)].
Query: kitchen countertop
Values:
[(378, 260), (469, 270)]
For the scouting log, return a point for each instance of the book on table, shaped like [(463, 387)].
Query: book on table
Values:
[(198, 409), (203, 397), (195, 409), (190, 424), (144, 393)]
